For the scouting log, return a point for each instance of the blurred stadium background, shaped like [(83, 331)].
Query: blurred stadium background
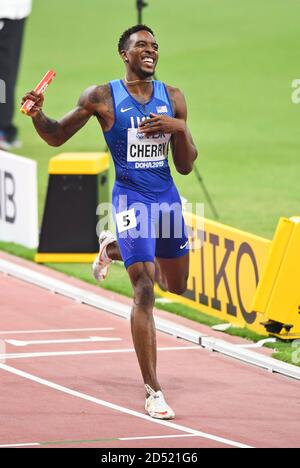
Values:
[(235, 61)]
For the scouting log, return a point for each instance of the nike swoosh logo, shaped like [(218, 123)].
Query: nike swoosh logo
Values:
[(125, 110), (184, 245)]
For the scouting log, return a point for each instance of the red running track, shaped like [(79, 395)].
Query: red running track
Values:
[(94, 397)]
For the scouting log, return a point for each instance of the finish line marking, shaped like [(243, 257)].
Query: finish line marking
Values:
[(3, 357), (120, 409), (91, 339)]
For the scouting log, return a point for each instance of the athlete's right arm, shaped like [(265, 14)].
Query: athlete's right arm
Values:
[(57, 132)]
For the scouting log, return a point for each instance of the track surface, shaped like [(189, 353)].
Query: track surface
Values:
[(85, 393)]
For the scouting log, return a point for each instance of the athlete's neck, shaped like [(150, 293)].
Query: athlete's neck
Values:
[(135, 82), (140, 87), (136, 77)]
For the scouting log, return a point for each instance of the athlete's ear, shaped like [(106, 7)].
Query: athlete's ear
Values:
[(124, 56)]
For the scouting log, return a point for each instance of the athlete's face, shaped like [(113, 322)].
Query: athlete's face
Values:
[(142, 53)]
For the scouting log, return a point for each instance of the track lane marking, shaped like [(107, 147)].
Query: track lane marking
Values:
[(58, 330), (34, 444), (90, 339), (121, 409), (90, 441), (118, 308), (3, 357)]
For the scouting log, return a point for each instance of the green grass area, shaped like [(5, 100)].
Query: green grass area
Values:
[(235, 62)]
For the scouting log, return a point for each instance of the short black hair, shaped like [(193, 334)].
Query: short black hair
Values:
[(122, 44)]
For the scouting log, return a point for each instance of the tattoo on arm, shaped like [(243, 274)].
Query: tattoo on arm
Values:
[(44, 124), (94, 97), (100, 101), (100, 95), (94, 101)]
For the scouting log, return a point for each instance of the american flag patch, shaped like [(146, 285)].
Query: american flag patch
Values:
[(162, 109)]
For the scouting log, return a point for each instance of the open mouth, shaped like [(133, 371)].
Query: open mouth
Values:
[(148, 60)]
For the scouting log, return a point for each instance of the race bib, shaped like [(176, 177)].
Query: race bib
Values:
[(126, 220), (144, 151)]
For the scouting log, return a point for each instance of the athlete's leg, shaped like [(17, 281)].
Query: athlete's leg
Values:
[(159, 279), (113, 251), (142, 276), (172, 245), (136, 247), (171, 274), (175, 273)]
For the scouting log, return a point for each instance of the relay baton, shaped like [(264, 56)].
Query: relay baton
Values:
[(39, 89)]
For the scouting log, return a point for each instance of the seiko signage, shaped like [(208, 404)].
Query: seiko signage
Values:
[(224, 272)]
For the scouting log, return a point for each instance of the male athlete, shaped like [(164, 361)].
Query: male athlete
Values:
[(139, 118)]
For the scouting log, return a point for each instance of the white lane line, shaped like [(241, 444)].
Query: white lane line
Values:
[(122, 310), (62, 442), (3, 357), (158, 437), (59, 330), (34, 444), (91, 299), (121, 409), (75, 340)]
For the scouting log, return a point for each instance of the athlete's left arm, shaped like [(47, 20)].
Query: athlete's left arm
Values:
[(183, 148)]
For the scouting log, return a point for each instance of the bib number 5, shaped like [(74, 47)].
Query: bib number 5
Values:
[(126, 220)]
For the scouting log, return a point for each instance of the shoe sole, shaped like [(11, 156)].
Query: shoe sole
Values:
[(156, 416), (164, 415)]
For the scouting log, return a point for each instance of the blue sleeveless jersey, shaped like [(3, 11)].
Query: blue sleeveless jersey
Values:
[(141, 162)]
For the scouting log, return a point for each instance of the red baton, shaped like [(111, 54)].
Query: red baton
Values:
[(39, 89)]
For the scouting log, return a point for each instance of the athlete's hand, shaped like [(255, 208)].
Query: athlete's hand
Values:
[(38, 100), (161, 123)]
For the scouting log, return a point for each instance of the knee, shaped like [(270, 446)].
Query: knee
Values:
[(144, 291)]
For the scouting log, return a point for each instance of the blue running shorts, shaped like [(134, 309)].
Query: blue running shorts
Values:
[(149, 225)]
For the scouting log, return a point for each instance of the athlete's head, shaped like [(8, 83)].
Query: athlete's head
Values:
[(139, 50)]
